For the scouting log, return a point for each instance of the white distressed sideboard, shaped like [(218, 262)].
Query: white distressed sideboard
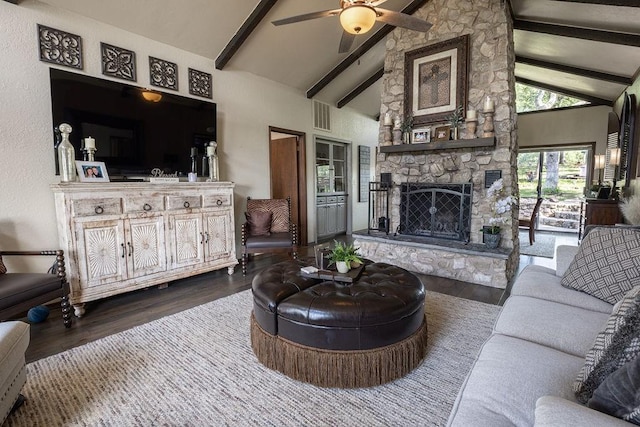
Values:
[(119, 237)]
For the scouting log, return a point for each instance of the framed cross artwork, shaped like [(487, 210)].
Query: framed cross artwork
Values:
[(436, 80)]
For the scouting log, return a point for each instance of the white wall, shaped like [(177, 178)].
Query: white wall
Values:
[(247, 106), (571, 126)]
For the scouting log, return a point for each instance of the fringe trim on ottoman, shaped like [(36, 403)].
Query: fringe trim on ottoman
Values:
[(342, 369)]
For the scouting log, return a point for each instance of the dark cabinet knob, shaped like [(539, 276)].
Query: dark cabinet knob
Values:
[(186, 204), (99, 210), (146, 207)]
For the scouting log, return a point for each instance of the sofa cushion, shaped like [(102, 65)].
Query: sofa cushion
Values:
[(552, 411), (617, 344), (618, 395), (563, 256), (259, 223), (565, 328), (607, 264), (541, 282), (506, 380)]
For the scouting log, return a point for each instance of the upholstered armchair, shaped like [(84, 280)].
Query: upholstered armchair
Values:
[(21, 291), (268, 228)]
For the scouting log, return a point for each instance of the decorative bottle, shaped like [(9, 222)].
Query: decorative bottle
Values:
[(212, 154), (66, 155)]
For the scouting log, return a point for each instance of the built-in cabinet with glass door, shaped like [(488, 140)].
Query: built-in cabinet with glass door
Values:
[(331, 188)]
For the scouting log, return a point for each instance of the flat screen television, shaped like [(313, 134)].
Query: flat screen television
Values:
[(132, 135)]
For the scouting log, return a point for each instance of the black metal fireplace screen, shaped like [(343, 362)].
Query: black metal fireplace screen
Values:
[(436, 210)]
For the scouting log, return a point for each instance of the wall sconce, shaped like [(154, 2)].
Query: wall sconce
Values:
[(599, 162), (357, 19), (151, 96)]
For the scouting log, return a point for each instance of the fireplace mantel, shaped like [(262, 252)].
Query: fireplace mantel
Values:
[(440, 145)]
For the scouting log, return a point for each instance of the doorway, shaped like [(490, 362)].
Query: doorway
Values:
[(287, 166), (561, 176)]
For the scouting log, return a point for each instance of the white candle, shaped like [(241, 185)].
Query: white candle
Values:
[(89, 143), (211, 150), (396, 123), (471, 114), (488, 104), (387, 120)]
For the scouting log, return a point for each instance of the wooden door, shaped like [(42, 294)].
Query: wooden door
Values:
[(288, 177)]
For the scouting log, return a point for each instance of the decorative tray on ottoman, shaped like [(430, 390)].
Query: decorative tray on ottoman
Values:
[(332, 274)]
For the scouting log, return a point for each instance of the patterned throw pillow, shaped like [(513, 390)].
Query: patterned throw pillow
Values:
[(616, 345), (3, 269), (607, 264), (618, 394)]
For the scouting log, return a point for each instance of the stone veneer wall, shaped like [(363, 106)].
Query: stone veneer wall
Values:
[(491, 73)]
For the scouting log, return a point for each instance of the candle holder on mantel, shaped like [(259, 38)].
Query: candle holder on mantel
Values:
[(487, 128), (387, 135), (472, 126)]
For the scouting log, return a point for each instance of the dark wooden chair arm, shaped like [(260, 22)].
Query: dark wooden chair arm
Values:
[(60, 270)]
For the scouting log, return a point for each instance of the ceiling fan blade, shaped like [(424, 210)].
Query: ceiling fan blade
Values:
[(307, 17), (377, 3), (346, 42), (402, 20)]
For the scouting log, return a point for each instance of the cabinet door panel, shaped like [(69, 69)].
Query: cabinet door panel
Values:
[(145, 246), (187, 238), (218, 235), (102, 246)]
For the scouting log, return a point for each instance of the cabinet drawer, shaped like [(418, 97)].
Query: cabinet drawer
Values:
[(332, 199), (95, 207), (143, 204), (212, 200), (321, 200), (184, 202), (342, 199)]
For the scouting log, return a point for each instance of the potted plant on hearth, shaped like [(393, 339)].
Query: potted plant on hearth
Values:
[(500, 204), (344, 256)]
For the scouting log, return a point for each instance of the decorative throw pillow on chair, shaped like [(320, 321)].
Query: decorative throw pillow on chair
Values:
[(607, 264), (616, 345), (259, 223)]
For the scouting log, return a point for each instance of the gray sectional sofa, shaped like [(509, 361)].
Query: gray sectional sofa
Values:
[(524, 374)]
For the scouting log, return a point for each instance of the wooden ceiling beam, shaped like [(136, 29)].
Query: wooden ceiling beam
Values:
[(361, 50), (13, 1), (592, 99), (579, 33), (628, 81), (244, 32), (360, 88)]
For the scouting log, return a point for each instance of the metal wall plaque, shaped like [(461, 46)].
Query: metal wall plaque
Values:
[(200, 83), (60, 47), (118, 62), (163, 73), (491, 176)]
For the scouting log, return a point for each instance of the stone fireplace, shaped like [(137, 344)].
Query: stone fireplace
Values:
[(440, 233)]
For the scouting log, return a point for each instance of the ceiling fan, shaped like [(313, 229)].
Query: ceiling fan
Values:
[(358, 17)]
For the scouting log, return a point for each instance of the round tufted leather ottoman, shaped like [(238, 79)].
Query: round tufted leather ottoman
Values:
[(334, 334)]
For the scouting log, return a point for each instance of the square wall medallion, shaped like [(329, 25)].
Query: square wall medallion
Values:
[(163, 73), (60, 47), (118, 62), (200, 83)]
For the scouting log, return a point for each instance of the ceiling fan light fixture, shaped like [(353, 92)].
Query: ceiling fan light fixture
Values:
[(151, 96), (358, 18)]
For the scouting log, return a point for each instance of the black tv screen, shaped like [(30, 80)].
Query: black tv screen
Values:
[(132, 135)]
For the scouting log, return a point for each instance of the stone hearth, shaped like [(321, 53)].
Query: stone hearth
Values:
[(472, 263)]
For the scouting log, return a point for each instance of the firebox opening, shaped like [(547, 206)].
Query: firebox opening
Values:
[(436, 210)]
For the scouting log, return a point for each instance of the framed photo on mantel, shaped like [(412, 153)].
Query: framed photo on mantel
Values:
[(435, 80)]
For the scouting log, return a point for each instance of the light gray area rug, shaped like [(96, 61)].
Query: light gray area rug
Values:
[(196, 368), (544, 246)]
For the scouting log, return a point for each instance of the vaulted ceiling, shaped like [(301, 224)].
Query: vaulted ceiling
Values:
[(586, 48)]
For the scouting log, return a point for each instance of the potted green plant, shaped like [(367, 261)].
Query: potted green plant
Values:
[(455, 119), (344, 256)]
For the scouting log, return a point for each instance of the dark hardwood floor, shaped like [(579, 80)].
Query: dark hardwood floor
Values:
[(114, 314)]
